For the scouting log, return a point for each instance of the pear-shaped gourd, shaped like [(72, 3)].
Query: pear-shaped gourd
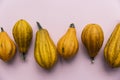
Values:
[(92, 38), (45, 51), (7, 46), (22, 33), (68, 44), (112, 48)]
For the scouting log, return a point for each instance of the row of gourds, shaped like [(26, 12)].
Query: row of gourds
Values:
[(46, 52)]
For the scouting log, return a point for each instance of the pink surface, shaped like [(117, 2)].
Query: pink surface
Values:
[(56, 16)]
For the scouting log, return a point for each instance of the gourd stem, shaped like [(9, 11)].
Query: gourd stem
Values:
[(72, 25), (2, 29), (23, 56), (38, 24), (92, 60)]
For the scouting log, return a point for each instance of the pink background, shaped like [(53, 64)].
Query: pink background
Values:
[(56, 16)]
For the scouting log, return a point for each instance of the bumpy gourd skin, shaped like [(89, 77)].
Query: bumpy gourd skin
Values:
[(45, 51), (112, 48), (92, 37), (68, 44), (22, 33), (7, 47)]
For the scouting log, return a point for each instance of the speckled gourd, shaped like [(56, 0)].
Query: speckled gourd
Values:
[(92, 37)]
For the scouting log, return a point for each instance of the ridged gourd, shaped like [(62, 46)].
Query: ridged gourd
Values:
[(45, 52), (68, 44), (7, 46), (22, 33), (112, 48), (92, 37)]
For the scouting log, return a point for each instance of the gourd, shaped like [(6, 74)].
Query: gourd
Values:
[(22, 33), (92, 37), (7, 47), (68, 44), (112, 48), (45, 52)]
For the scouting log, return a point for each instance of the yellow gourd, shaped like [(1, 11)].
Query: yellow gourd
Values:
[(112, 48), (92, 38), (22, 33), (7, 47), (68, 45), (45, 51)]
